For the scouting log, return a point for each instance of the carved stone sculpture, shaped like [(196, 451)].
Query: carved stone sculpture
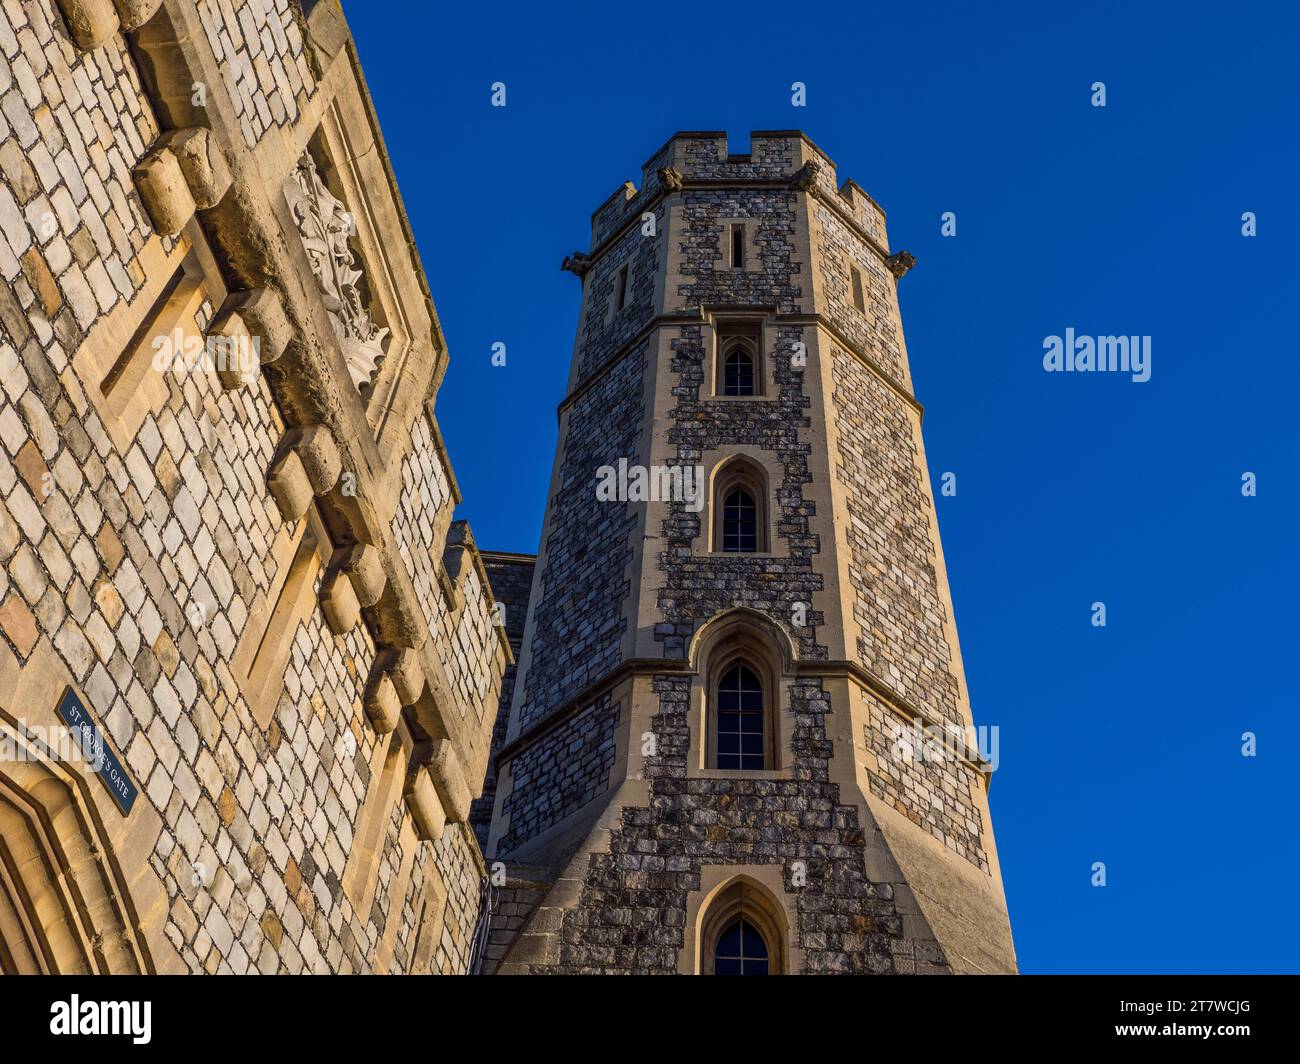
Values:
[(325, 225), (806, 175), (671, 178), (577, 264), (900, 262)]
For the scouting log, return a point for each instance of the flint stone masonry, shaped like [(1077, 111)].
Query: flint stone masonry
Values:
[(613, 821)]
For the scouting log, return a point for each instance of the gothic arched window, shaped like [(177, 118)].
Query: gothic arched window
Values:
[(738, 357), (738, 371), (743, 930), (741, 950), (739, 522), (741, 731), (739, 515)]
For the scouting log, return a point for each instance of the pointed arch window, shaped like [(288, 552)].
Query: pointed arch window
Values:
[(741, 950), (739, 517), (741, 725), (742, 931), (739, 522), (738, 371)]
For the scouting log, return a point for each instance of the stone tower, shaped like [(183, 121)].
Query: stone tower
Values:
[(740, 634)]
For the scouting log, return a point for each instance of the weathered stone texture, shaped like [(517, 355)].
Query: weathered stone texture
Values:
[(511, 577), (136, 554), (468, 640), (632, 912), (872, 330), (72, 125), (892, 563), (579, 616), (264, 61), (849, 573), (561, 773)]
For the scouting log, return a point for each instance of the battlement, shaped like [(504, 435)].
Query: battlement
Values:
[(704, 158)]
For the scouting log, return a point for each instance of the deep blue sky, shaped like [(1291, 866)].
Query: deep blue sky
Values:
[(1120, 744)]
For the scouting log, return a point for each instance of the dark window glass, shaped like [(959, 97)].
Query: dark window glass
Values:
[(739, 522), (738, 373), (622, 288), (738, 246), (740, 720), (740, 950)]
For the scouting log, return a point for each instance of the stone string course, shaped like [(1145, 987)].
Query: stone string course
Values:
[(632, 912)]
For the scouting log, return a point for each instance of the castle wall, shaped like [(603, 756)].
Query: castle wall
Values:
[(147, 532), (511, 577)]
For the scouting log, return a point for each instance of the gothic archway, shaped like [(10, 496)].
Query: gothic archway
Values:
[(64, 904)]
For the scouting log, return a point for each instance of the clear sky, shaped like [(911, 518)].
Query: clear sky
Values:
[(1119, 744)]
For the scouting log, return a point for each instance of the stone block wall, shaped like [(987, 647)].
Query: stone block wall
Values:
[(511, 577), (558, 775), (72, 124), (134, 558), (264, 60), (582, 590)]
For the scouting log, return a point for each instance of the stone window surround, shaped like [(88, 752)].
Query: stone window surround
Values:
[(741, 634), (726, 891), (764, 361), (744, 465), (749, 226), (612, 309), (431, 916)]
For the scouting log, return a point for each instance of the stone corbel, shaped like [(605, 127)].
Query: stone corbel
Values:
[(426, 808), (402, 666), (90, 22), (339, 602), (382, 705), (451, 576), (320, 457), (162, 187), (184, 171), (255, 326), (444, 768), (290, 488), (135, 13), (236, 353), (202, 162), (900, 262), (361, 518), (364, 566)]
